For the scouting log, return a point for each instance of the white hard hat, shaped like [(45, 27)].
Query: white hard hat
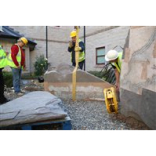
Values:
[(111, 55)]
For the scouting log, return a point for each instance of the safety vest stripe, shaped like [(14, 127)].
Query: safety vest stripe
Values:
[(118, 68), (3, 57)]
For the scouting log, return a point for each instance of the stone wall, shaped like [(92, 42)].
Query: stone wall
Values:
[(138, 76)]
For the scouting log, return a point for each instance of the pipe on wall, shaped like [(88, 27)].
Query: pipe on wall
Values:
[(85, 46)]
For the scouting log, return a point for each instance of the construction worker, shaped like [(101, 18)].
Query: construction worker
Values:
[(17, 63), (3, 63), (115, 59), (71, 49)]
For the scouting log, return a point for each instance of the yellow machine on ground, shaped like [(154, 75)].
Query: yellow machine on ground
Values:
[(111, 100)]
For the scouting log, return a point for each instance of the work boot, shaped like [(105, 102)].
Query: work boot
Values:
[(22, 91), (19, 94)]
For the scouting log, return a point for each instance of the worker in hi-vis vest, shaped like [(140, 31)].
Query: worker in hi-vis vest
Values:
[(3, 63), (16, 61), (71, 49), (115, 58)]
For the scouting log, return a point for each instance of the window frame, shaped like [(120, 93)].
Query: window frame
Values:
[(103, 47)]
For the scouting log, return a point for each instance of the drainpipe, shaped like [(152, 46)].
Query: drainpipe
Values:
[(47, 42), (47, 46), (85, 47)]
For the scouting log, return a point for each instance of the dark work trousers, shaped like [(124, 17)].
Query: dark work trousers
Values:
[(2, 98), (80, 64)]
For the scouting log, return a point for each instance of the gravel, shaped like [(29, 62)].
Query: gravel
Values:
[(92, 115), (86, 115)]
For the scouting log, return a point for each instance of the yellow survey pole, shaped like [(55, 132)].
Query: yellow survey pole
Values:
[(76, 59)]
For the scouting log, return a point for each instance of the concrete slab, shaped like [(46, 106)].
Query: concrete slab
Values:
[(32, 107), (59, 83)]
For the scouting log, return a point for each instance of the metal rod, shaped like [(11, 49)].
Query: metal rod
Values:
[(85, 47)]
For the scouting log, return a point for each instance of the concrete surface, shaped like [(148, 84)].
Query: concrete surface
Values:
[(138, 75), (59, 83)]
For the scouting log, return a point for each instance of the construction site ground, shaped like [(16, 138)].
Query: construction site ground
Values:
[(85, 115)]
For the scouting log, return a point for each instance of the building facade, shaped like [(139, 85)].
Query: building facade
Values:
[(99, 39)]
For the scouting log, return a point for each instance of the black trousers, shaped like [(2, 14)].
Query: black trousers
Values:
[(80, 64), (2, 98)]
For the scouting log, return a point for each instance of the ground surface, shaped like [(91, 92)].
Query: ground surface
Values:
[(86, 115)]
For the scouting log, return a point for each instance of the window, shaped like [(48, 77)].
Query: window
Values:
[(100, 55)]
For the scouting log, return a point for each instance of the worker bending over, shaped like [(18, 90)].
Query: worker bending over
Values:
[(115, 59), (71, 49)]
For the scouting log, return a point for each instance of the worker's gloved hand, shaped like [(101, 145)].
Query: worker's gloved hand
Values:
[(70, 44), (78, 48)]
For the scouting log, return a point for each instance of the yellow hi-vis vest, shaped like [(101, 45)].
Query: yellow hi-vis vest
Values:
[(3, 58), (119, 62), (18, 57), (81, 55)]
